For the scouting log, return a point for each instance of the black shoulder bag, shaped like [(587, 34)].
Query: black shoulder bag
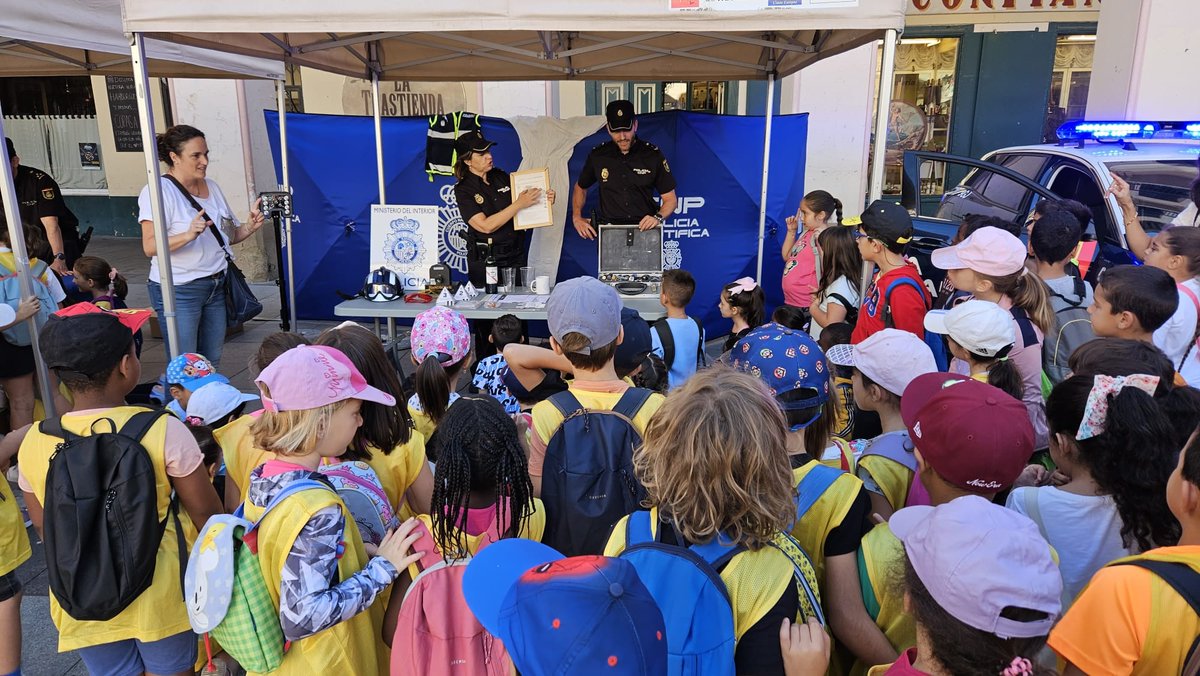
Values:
[(241, 305)]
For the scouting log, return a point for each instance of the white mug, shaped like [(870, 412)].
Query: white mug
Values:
[(541, 285)]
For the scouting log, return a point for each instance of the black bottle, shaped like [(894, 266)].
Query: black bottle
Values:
[(491, 273)]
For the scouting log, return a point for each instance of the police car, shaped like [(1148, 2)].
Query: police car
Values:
[(1157, 159)]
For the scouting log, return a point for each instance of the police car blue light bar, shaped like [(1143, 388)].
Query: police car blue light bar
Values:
[(1082, 130)]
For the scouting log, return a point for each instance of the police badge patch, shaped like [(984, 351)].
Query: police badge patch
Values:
[(604, 174), (672, 256), (48, 193), (478, 198)]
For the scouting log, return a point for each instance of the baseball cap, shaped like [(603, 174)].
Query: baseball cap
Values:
[(192, 371), (636, 344), (472, 142), (312, 376), (948, 414), (556, 615), (442, 333), (982, 328), (84, 343), (786, 360), (885, 221), (133, 319), (587, 306), (891, 358), (989, 251), (215, 401), (977, 558), (620, 115)]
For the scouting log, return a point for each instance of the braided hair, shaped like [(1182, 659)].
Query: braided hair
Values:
[(480, 454)]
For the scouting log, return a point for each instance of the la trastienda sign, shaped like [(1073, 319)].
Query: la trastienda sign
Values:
[(951, 6)]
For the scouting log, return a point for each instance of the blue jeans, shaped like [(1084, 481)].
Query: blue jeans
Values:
[(199, 316)]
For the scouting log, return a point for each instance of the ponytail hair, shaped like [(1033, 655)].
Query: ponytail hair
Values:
[(432, 383), (102, 276), (751, 305), (1002, 373), (963, 649), (173, 140), (1185, 242), (1130, 459), (820, 201), (1027, 292), (479, 452)]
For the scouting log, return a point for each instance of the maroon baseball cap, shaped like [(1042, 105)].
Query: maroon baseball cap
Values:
[(973, 435)]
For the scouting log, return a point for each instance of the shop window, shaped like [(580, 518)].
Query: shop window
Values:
[(706, 96), (922, 98), (1069, 82), (47, 96)]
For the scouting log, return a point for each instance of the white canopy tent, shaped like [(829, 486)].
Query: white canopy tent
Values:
[(85, 37), (456, 40)]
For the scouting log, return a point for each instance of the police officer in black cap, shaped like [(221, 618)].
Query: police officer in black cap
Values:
[(42, 205), (487, 205), (629, 171)]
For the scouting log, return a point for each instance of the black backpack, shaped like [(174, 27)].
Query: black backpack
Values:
[(101, 522), (1072, 327), (1186, 582), (588, 482), (663, 329), (851, 309)]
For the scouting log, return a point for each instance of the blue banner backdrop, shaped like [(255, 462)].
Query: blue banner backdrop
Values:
[(716, 159)]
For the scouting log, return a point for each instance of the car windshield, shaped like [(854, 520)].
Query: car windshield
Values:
[(1160, 188)]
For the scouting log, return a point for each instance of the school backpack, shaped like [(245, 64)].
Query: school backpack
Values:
[(436, 632), (851, 308), (1071, 328), (225, 592), (697, 609), (359, 487), (936, 345), (588, 482), (10, 293), (898, 448), (663, 328), (101, 524)]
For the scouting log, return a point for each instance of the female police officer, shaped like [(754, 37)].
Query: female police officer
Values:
[(487, 206)]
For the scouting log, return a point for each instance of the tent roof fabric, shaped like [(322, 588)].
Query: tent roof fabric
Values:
[(85, 37), (454, 40)]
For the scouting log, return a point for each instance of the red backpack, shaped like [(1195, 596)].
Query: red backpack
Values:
[(436, 633)]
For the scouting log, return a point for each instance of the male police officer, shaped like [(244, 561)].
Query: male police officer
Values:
[(629, 171), (41, 204)]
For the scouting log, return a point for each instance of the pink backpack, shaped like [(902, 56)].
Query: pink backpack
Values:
[(436, 633)]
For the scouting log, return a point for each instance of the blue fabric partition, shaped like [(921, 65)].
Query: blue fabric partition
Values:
[(716, 159)]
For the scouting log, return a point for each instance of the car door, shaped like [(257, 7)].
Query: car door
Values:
[(1075, 180)]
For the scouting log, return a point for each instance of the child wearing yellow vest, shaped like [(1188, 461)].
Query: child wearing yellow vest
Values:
[(386, 441), (1128, 619), (441, 350), (237, 444), (485, 491), (714, 463), (93, 354), (838, 510), (14, 550), (884, 364), (944, 413), (314, 562)]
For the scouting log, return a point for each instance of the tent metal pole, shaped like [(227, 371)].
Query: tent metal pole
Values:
[(280, 97), (16, 238), (375, 112), (766, 163), (887, 69), (141, 81)]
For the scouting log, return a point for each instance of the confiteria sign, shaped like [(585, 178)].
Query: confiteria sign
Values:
[(951, 6)]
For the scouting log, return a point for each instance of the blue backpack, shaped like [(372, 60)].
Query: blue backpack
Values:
[(933, 340), (697, 610), (588, 483), (813, 486), (10, 293)]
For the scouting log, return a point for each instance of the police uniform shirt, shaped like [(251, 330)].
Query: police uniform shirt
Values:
[(475, 196), (39, 197), (627, 181)]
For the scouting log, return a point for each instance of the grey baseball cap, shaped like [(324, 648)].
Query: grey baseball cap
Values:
[(587, 306)]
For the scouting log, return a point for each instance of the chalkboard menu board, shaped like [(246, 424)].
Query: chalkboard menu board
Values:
[(122, 106)]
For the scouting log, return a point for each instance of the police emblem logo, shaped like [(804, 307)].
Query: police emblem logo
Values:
[(403, 247), (48, 193), (620, 113), (604, 174), (478, 198), (452, 240), (672, 256)]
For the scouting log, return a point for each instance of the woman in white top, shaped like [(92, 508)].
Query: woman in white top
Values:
[(198, 261)]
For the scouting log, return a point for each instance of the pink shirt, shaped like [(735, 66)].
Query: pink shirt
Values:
[(800, 271)]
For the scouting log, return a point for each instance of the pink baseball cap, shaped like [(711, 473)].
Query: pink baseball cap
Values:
[(990, 251), (977, 558), (442, 333), (312, 376)]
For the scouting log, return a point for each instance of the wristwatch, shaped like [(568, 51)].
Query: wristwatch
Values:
[(60, 256), (660, 218)]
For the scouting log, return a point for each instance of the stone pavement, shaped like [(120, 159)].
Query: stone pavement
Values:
[(40, 656)]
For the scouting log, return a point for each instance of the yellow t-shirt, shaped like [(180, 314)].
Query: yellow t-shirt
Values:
[(596, 395), (14, 539)]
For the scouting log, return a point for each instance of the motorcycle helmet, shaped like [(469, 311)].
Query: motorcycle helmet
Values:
[(382, 285)]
